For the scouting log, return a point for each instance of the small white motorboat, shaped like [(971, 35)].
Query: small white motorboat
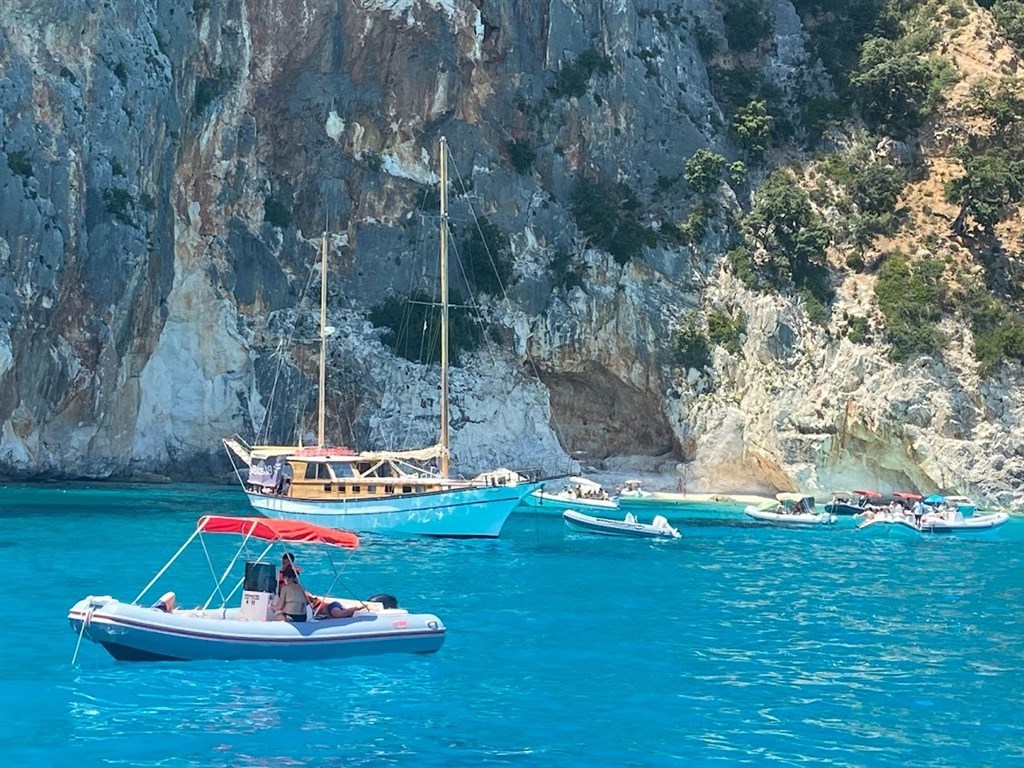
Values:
[(578, 493), (791, 510), (130, 631), (942, 522), (633, 490), (658, 528)]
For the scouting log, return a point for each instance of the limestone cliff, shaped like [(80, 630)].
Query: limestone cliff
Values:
[(166, 170)]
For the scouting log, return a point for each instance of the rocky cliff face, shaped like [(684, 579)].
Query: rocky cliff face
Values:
[(165, 172)]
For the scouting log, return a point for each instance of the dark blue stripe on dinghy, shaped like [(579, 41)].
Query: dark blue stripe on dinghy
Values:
[(124, 653)]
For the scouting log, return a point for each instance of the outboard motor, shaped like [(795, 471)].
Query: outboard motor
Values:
[(388, 601), (258, 590)]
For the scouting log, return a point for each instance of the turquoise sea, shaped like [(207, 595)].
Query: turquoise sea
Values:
[(737, 644)]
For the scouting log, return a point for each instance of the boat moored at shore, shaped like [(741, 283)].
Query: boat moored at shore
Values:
[(578, 493), (633, 490), (790, 510), (942, 522)]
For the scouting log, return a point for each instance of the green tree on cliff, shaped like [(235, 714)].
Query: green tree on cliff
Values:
[(896, 88)]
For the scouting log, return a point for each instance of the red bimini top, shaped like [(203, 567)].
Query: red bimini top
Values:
[(908, 496), (868, 494), (287, 531)]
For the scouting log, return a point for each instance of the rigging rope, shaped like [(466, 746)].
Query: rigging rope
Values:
[(506, 303), (85, 623)]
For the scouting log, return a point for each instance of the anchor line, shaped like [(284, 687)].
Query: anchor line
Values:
[(85, 623)]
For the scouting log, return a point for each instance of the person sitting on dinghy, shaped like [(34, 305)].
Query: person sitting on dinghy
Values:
[(291, 601), (287, 561)]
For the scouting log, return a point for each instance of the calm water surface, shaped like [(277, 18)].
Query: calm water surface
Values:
[(736, 645)]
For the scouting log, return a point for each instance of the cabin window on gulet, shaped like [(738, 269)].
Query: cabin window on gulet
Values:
[(317, 471), (341, 469), (358, 479)]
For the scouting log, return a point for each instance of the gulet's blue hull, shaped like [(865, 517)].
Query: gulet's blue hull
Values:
[(478, 512)]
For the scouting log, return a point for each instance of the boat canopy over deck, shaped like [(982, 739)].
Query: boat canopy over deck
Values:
[(285, 531)]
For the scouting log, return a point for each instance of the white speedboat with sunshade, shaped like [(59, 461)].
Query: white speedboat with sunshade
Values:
[(579, 493), (130, 631), (633, 490), (790, 510), (853, 503)]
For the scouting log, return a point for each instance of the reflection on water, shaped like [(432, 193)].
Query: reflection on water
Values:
[(171, 696), (224, 711)]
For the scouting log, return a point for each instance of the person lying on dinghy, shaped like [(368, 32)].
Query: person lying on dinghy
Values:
[(326, 608)]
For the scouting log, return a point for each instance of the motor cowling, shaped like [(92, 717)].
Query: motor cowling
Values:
[(258, 588), (388, 601)]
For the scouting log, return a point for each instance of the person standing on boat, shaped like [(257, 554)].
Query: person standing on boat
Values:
[(291, 602), (918, 511)]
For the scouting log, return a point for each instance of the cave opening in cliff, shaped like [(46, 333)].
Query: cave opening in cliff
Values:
[(597, 415)]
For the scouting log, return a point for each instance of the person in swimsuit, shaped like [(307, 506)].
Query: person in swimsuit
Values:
[(291, 600), (326, 608), (287, 561)]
